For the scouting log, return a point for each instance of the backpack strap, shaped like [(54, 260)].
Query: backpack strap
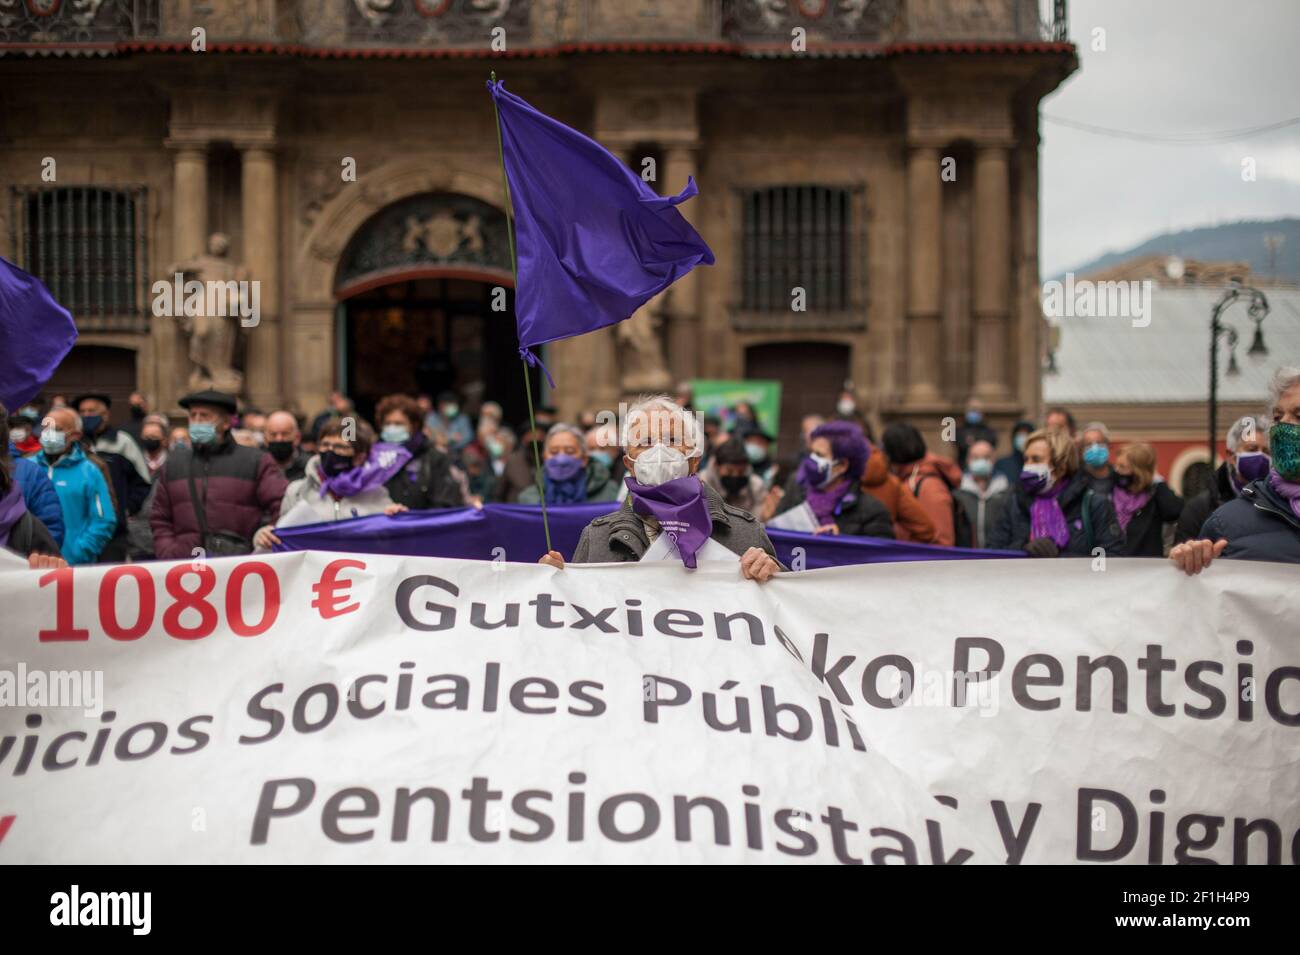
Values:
[(1087, 519)]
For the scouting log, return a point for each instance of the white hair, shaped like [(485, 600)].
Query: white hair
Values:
[(640, 427), (76, 418), (1096, 426), (561, 427), (1284, 379), (1253, 425)]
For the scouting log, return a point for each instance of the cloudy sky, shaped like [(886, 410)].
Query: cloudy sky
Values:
[(1169, 68)]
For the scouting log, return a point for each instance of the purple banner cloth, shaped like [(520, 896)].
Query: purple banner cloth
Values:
[(594, 242), (36, 332), (514, 532)]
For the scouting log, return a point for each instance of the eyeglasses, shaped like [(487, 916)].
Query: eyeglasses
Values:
[(338, 447)]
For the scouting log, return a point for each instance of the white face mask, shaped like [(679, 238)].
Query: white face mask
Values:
[(1044, 470), (660, 464)]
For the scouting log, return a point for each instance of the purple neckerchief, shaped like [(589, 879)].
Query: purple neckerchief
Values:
[(1288, 489), (1127, 504), (681, 509), (383, 461), (1046, 519), (823, 501)]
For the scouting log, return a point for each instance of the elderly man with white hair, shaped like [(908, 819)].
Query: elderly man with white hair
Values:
[(662, 444), (1263, 522)]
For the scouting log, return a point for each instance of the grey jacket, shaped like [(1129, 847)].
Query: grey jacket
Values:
[(621, 536)]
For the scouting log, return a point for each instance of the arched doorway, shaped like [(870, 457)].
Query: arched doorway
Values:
[(427, 305)]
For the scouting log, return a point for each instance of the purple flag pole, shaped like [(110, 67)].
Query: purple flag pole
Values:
[(514, 268)]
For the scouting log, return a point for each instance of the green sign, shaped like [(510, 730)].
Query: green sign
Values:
[(711, 396)]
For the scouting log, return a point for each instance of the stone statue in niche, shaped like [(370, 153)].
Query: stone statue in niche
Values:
[(641, 354), (213, 337)]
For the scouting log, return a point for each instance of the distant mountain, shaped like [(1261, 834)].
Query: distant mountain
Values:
[(1236, 242)]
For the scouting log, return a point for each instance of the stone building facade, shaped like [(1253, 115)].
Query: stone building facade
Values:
[(881, 158)]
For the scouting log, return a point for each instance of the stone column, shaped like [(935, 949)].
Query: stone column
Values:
[(684, 337), (924, 274), (263, 375), (992, 269), (189, 239)]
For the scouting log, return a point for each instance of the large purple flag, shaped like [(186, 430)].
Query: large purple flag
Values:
[(595, 243), (36, 332)]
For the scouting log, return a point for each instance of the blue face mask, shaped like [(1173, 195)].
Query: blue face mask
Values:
[(974, 417), (755, 453), (203, 432), (90, 423), (981, 467), (53, 441), (395, 434), (603, 457), (1020, 441), (1096, 455)]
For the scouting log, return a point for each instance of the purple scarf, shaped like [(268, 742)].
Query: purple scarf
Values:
[(1288, 489), (1127, 504), (1046, 519), (383, 461), (680, 507)]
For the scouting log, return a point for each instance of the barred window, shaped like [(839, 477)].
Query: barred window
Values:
[(87, 244), (797, 236)]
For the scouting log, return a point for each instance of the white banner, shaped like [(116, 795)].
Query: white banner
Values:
[(324, 707)]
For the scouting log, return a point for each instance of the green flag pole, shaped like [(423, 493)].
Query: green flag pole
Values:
[(514, 268)]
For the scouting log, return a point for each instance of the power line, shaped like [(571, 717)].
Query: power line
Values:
[(1178, 139)]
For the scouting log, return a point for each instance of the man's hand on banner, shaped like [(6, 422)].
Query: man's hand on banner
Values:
[(828, 529), (757, 564), (553, 558), (265, 538), (1192, 557), (392, 509), (1042, 547), (45, 562)]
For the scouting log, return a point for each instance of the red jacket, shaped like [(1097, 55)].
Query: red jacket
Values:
[(932, 480), (241, 489)]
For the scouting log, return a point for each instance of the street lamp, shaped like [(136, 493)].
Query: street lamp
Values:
[(1257, 310)]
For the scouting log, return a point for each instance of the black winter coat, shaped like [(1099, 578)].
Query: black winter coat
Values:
[(1145, 534), (1200, 506), (426, 482), (859, 514), (1258, 525), (1012, 531)]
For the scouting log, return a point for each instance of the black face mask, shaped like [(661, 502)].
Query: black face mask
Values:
[(1123, 480), (334, 464), (137, 412), (151, 444), (282, 451), (735, 483)]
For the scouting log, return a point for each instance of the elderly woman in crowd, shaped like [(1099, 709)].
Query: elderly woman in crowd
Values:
[(1143, 504), (1263, 521), (1247, 461), (1054, 512), (427, 479), (345, 479), (662, 447), (569, 474), (828, 480)]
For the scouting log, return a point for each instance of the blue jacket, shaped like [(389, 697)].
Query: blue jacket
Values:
[(1259, 525), (38, 494), (88, 516)]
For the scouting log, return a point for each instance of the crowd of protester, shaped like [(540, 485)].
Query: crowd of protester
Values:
[(74, 488)]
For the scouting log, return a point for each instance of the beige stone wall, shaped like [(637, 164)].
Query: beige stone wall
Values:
[(945, 273)]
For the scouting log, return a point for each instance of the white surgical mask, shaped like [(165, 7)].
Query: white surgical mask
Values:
[(845, 406), (18, 435), (660, 464)]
